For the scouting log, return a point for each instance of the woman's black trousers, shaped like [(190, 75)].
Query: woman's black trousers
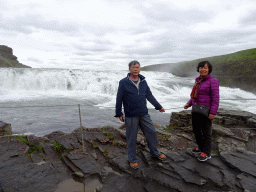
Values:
[(202, 126)]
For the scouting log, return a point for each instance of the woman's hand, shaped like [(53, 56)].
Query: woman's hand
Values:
[(186, 106), (211, 116)]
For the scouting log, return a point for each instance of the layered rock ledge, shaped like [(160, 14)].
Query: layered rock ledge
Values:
[(30, 163)]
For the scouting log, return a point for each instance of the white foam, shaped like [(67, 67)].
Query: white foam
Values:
[(100, 87)]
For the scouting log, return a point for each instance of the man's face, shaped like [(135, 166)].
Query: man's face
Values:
[(135, 69)]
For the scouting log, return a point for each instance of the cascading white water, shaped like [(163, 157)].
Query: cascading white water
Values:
[(96, 92), (24, 83), (101, 87)]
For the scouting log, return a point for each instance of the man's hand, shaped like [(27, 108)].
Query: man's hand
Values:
[(186, 106), (121, 118), (161, 110), (211, 116)]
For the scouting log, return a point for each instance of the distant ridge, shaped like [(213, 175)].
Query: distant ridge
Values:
[(7, 59), (232, 70)]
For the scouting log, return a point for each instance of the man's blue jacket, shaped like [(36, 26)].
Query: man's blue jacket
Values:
[(133, 99)]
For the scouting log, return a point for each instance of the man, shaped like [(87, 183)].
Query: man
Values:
[(132, 93)]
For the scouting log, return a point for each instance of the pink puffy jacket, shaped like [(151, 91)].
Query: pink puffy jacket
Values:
[(208, 94)]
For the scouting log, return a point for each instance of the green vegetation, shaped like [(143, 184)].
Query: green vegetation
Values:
[(165, 137), (114, 143), (33, 148), (232, 70), (109, 135), (220, 123), (169, 128), (7, 59), (58, 147), (5, 62), (105, 153), (8, 138)]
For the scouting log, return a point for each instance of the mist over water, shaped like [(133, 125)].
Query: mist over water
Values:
[(40, 101)]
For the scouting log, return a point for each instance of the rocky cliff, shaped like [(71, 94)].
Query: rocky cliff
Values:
[(7, 59), (30, 163)]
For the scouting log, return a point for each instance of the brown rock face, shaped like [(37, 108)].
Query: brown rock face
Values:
[(7, 53), (5, 129)]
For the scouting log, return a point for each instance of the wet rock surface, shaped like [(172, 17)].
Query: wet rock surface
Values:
[(5, 128), (99, 160)]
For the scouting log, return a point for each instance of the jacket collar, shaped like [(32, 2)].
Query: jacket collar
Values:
[(207, 77), (140, 76)]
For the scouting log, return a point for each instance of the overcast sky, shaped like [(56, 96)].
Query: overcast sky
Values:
[(82, 33)]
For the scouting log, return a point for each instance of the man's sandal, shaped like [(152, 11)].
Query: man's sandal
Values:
[(162, 157), (134, 165)]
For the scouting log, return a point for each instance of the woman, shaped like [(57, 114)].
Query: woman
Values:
[(205, 92)]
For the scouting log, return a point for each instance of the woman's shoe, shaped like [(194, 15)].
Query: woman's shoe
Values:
[(204, 157), (196, 151)]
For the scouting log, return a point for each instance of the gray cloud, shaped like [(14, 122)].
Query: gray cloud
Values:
[(34, 59), (156, 48), (250, 19), (160, 33), (87, 48), (32, 22), (221, 38), (162, 12)]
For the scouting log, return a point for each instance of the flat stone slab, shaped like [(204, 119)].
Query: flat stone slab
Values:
[(166, 180), (244, 115), (51, 154), (229, 178), (122, 183), (30, 177), (12, 148), (85, 163), (205, 170), (229, 144), (244, 162), (54, 135), (179, 142), (33, 139), (248, 183), (68, 141), (188, 175), (252, 122), (222, 130)]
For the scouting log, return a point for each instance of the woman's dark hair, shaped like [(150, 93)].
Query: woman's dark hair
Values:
[(133, 63), (202, 63)]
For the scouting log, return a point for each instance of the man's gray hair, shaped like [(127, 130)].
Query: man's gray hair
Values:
[(134, 62)]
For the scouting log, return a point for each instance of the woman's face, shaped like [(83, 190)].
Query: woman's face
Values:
[(204, 71)]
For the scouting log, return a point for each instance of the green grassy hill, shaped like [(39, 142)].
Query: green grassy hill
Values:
[(7, 59), (232, 70), (5, 62)]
